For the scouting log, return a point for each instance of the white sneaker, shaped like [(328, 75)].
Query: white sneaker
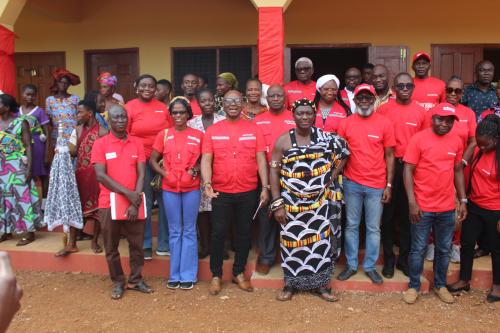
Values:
[(429, 254), (455, 254), (162, 253)]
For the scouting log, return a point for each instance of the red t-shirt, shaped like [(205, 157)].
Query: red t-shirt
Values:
[(332, 121), (145, 120), (296, 90), (407, 121), (120, 157), (181, 151), (485, 186), (465, 128), (428, 92), (234, 146), (272, 126), (434, 157), (367, 138), (195, 107)]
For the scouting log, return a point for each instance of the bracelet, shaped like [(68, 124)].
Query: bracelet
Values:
[(267, 187), (207, 183), (389, 185), (275, 164), (464, 201), (276, 204)]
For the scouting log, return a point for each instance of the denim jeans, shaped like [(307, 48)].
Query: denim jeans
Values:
[(356, 196), (182, 211), (443, 225), (162, 218)]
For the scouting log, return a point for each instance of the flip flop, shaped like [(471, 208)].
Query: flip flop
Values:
[(6, 237), (25, 241), (65, 252), (142, 287), (97, 249), (326, 294)]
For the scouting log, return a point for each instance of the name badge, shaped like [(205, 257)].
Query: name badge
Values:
[(110, 156)]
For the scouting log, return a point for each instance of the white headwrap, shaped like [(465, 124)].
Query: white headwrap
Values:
[(325, 78)]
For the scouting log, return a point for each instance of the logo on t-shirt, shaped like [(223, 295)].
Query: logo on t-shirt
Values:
[(411, 124), (373, 136), (452, 154)]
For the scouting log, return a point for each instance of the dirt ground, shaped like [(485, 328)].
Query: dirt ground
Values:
[(70, 302)]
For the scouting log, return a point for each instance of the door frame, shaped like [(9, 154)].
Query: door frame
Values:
[(87, 53), (481, 45)]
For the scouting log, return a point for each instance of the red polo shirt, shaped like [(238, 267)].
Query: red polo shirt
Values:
[(434, 157), (181, 151), (120, 157), (367, 138), (145, 120), (272, 126), (464, 128), (234, 146), (195, 107), (428, 92), (407, 121), (485, 186), (332, 121), (296, 90)]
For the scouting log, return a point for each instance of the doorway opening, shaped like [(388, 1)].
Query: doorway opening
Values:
[(493, 55)]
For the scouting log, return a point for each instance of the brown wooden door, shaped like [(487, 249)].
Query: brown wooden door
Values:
[(36, 68), (449, 60), (124, 63), (394, 57)]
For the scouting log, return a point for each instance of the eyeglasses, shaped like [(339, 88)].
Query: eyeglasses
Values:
[(230, 101), (178, 113), (403, 86), (457, 91)]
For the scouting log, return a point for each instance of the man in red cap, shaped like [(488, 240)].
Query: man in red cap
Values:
[(433, 170), (368, 178), (429, 91)]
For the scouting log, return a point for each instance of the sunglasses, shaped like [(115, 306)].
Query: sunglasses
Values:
[(178, 113), (230, 101), (457, 91), (403, 86)]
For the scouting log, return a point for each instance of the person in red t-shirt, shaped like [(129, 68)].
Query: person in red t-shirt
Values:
[(331, 108), (433, 170), (429, 91), (146, 117), (407, 118), (273, 124), (483, 206), (233, 158), (180, 147), (303, 87), (189, 86), (119, 164), (368, 177)]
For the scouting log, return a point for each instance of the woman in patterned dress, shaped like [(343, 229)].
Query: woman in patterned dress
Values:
[(19, 204), (208, 117), (305, 168)]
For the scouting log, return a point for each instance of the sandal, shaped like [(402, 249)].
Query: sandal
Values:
[(66, 251), (326, 294), (97, 249), (285, 294), (26, 240), (5, 237), (117, 291), (142, 287)]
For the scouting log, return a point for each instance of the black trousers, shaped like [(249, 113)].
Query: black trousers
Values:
[(479, 221), (268, 237), (236, 209), (396, 213)]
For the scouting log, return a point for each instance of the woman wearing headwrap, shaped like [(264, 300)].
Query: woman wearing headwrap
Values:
[(305, 166), (62, 106), (107, 89), (225, 82), (331, 108)]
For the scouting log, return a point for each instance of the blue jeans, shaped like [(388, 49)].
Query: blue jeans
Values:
[(356, 196), (151, 196), (443, 225), (182, 211)]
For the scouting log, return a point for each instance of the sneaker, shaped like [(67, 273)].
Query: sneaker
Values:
[(173, 284), (429, 254), (187, 285), (444, 295), (455, 254), (162, 253), (148, 254), (410, 296)]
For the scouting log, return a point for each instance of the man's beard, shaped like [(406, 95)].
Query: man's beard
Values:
[(365, 113)]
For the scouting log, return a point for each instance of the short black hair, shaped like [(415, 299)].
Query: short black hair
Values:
[(368, 65), (184, 103), (144, 76), (489, 127), (9, 101), (202, 91), (454, 78), (401, 74), (165, 82), (89, 104), (30, 87)]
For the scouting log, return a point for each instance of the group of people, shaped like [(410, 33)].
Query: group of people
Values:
[(306, 161)]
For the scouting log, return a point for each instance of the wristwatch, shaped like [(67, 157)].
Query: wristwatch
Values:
[(389, 185), (267, 187)]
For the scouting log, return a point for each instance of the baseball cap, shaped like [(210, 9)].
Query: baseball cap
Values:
[(364, 87), (444, 110), (421, 54)]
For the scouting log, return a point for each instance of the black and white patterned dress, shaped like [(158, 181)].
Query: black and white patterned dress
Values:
[(310, 241)]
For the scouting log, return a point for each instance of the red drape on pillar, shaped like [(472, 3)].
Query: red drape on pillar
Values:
[(271, 44), (7, 65)]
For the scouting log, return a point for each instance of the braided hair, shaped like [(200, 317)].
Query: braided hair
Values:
[(490, 128)]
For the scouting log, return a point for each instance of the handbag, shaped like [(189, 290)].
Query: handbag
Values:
[(157, 179)]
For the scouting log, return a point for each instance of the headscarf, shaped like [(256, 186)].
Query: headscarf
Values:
[(108, 79), (230, 78), (325, 78), (59, 73), (303, 102)]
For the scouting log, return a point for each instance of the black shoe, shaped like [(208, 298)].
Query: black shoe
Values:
[(388, 271), (492, 298), (456, 290), (346, 274), (148, 254), (117, 291), (187, 285), (478, 253), (375, 277), (142, 287), (173, 284), (403, 268)]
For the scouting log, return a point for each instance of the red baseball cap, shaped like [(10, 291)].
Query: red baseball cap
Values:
[(421, 54), (444, 110), (364, 87)]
